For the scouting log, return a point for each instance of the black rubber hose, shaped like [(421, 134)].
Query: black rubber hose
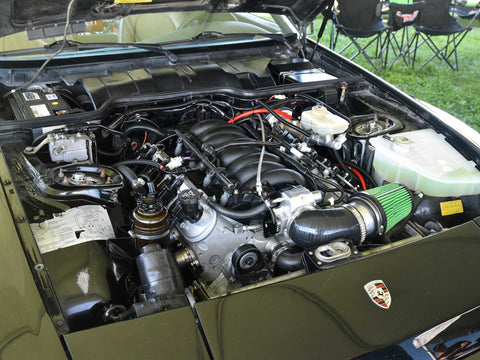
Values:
[(365, 174), (340, 161), (318, 227), (245, 143), (290, 261), (138, 162), (282, 120), (131, 178), (238, 214), (127, 173), (115, 153), (147, 128)]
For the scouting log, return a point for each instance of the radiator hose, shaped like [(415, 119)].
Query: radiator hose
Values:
[(368, 213)]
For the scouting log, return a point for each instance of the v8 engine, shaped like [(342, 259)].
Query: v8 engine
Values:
[(159, 205)]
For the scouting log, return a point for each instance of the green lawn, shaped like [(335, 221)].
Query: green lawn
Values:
[(453, 91)]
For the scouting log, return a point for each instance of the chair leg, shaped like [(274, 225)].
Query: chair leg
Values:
[(332, 31), (459, 36), (447, 44), (346, 46), (363, 52), (407, 41), (389, 42), (455, 51), (381, 49), (415, 37), (403, 48), (456, 39), (437, 53)]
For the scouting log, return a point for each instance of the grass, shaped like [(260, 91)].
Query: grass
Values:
[(453, 91)]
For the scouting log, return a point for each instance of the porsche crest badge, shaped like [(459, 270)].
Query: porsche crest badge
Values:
[(378, 292)]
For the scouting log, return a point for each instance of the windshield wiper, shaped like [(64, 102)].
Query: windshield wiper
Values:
[(79, 46), (153, 47), (214, 35), (58, 44), (158, 49)]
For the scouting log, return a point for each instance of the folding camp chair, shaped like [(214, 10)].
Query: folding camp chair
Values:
[(462, 10), (400, 16), (436, 22), (359, 19)]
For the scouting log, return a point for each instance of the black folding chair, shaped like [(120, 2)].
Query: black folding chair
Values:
[(359, 19), (462, 10), (436, 22), (400, 16)]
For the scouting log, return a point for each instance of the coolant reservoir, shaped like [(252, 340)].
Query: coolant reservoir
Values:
[(423, 160), (323, 122)]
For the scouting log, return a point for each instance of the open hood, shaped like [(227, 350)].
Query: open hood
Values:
[(19, 15)]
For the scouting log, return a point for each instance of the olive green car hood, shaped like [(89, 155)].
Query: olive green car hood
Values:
[(324, 315), (19, 15)]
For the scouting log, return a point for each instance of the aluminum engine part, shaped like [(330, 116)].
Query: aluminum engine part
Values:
[(158, 272), (292, 202), (332, 252), (161, 281), (212, 239), (70, 148), (331, 141)]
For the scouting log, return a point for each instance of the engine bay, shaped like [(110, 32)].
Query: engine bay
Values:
[(181, 198)]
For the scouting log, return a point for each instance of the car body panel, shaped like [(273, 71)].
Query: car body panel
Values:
[(172, 334), (26, 329), (330, 314)]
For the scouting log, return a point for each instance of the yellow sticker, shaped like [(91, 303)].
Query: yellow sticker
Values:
[(131, 1), (55, 103), (451, 207)]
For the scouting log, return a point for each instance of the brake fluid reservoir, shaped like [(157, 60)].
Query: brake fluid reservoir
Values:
[(328, 127), (423, 160), (322, 121)]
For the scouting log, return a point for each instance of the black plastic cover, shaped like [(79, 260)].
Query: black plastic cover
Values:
[(147, 81)]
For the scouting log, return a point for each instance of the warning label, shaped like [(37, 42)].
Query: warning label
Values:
[(451, 207)]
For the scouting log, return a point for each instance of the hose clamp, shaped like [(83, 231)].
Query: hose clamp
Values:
[(360, 220)]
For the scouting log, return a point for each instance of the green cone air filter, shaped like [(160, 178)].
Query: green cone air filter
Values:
[(395, 200)]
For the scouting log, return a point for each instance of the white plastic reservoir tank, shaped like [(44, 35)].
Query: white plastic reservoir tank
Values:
[(424, 161), (323, 122)]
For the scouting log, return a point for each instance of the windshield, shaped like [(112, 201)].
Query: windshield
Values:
[(154, 28)]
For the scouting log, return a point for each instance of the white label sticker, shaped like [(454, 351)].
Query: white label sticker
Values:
[(40, 110), (51, 96), (74, 226), (30, 96), (51, 128)]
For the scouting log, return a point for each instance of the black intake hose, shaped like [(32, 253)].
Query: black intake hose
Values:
[(318, 227), (290, 261)]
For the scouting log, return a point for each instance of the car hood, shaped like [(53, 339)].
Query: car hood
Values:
[(19, 15)]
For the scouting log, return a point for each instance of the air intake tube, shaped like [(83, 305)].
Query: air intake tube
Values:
[(367, 214)]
